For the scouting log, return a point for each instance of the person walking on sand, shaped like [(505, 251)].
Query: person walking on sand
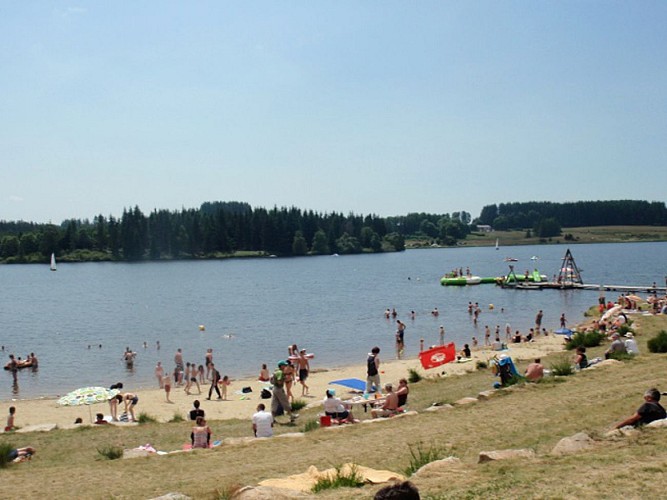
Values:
[(279, 401), (214, 382), (563, 321), (373, 370), (400, 338), (304, 370)]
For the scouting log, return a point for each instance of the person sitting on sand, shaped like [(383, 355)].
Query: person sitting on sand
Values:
[(465, 352), (264, 375), (648, 412), (262, 422), (616, 346), (534, 371), (10, 419), (402, 392), (580, 359), (517, 337), (196, 411), (497, 344), (390, 406), (100, 419), (335, 408), (201, 434)]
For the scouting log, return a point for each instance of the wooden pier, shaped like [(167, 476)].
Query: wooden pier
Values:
[(661, 290)]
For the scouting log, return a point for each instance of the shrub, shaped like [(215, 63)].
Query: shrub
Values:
[(177, 418), (298, 404), (562, 367), (419, 456), (625, 328), (659, 342), (413, 376), (585, 339), (5, 449), (621, 356), (145, 418), (311, 425), (481, 365), (111, 452), (339, 479)]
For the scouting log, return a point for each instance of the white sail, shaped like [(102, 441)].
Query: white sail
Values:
[(497, 244), (53, 262)]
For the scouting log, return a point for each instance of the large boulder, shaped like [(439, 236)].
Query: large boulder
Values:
[(268, 493), (573, 444), (437, 467), (658, 423), (490, 456)]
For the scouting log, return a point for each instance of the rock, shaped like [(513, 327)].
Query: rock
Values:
[(466, 401), (622, 432), (658, 423), (173, 496), (37, 428), (268, 493), (573, 444), (406, 414), (486, 395), (489, 456), (136, 454), (439, 407), (291, 435), (436, 467), (606, 362)]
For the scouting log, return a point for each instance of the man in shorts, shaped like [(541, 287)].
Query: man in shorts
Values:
[(304, 370)]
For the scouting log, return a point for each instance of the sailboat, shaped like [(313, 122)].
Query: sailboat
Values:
[(53, 262), (497, 247)]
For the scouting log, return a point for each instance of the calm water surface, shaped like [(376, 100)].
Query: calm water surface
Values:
[(333, 306)]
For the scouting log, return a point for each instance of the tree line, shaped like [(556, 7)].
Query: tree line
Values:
[(220, 229), (546, 218)]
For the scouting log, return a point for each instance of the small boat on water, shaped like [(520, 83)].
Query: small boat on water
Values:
[(497, 247), (53, 262), (511, 259)]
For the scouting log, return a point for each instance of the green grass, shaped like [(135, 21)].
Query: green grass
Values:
[(110, 452), (420, 456), (340, 479), (562, 367), (414, 376), (5, 449), (311, 425), (298, 404), (145, 418)]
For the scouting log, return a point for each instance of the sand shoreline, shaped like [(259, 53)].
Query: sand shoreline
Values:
[(45, 410)]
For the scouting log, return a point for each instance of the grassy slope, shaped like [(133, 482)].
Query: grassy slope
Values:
[(533, 416)]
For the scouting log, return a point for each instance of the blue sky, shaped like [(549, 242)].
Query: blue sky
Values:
[(371, 107)]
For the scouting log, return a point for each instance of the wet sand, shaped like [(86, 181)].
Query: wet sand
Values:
[(242, 406)]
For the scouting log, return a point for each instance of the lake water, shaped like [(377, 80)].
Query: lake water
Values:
[(333, 306)]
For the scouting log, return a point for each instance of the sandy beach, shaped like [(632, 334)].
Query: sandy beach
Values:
[(152, 401)]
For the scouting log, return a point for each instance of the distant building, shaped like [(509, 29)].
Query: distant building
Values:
[(483, 228)]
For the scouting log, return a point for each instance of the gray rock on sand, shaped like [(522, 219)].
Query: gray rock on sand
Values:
[(466, 401), (172, 496), (434, 408), (490, 456), (268, 493), (573, 444), (435, 468)]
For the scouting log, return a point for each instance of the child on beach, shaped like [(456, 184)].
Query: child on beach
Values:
[(166, 383), (10, 419), (264, 375), (224, 383)]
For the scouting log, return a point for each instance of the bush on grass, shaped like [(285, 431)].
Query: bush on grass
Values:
[(413, 376), (311, 425), (659, 342), (585, 339), (340, 479), (5, 449), (298, 404), (110, 452), (420, 456), (562, 367), (145, 418)]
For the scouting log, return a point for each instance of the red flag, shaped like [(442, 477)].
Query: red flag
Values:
[(438, 356)]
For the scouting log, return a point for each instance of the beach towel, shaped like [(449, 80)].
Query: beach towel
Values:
[(353, 383)]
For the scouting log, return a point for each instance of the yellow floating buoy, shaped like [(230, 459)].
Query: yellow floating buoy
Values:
[(202, 328), (491, 306)]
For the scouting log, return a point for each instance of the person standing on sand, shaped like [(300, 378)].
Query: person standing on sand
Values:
[(208, 362), (538, 320), (373, 370), (563, 321), (166, 384), (304, 370), (159, 374), (178, 360)]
